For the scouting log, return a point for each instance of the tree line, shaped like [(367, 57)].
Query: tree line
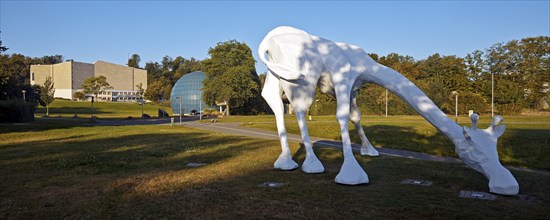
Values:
[(521, 71), (520, 68), (18, 99), (231, 77)]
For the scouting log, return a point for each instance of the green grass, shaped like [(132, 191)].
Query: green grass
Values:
[(65, 108), (526, 142), (54, 170)]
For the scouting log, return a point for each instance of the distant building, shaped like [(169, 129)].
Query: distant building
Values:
[(186, 96), (69, 76)]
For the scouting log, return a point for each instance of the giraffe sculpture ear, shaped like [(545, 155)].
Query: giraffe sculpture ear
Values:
[(497, 130), (474, 117)]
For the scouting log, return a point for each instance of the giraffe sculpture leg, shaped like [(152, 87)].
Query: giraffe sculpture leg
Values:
[(355, 118), (351, 173), (272, 94)]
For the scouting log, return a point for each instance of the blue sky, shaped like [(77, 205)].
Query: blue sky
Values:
[(102, 30)]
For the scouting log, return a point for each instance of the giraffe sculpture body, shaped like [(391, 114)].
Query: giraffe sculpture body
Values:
[(299, 62)]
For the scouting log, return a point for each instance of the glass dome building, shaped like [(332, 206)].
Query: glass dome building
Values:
[(187, 94)]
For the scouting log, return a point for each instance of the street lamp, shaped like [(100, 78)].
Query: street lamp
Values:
[(162, 104), (316, 111), (195, 98), (92, 102), (456, 106), (386, 103), (24, 91), (179, 101), (200, 106)]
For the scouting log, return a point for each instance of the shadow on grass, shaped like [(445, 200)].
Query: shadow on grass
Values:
[(44, 124), (407, 138), (144, 176), (517, 147)]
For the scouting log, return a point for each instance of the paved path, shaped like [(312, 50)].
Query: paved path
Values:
[(235, 129)]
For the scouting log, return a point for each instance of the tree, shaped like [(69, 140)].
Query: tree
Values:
[(154, 71), (186, 66), (79, 96), (524, 64), (140, 90), (14, 76), (14, 72), (134, 61), (140, 93), (47, 91), (158, 89), (2, 47), (475, 65), (51, 59), (231, 77), (95, 85)]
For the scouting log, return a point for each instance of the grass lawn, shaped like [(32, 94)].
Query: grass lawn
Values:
[(60, 170), (65, 108), (526, 142)]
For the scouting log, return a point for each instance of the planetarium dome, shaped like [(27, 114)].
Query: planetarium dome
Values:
[(187, 94)]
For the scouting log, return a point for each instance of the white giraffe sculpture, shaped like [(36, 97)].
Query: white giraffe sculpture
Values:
[(299, 62)]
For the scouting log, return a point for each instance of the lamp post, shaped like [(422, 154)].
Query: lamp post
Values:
[(316, 111), (24, 91), (386, 103), (179, 101), (492, 95), (456, 106), (162, 104), (200, 105), (92, 113)]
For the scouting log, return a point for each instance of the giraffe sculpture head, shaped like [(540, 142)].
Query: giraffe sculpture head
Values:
[(478, 150)]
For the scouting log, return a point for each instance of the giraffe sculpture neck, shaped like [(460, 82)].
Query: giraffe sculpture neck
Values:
[(406, 90), (476, 148)]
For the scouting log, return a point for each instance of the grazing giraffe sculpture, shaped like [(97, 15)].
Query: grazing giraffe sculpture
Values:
[(299, 62)]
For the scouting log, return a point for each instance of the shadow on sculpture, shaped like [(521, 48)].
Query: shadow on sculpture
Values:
[(299, 62)]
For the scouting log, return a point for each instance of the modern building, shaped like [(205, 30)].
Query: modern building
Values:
[(69, 76), (186, 96)]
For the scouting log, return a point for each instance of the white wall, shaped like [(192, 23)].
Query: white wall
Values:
[(64, 93)]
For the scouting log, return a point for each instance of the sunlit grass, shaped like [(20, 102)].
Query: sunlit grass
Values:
[(128, 172), (67, 109)]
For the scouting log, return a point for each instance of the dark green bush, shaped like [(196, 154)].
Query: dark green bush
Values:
[(16, 111), (471, 101)]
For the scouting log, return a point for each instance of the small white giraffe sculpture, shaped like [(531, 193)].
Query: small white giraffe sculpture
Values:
[(299, 62)]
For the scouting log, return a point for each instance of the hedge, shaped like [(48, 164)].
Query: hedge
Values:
[(16, 111)]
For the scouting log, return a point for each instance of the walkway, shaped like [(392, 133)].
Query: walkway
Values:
[(235, 129)]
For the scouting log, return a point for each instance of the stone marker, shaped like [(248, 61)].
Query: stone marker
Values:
[(417, 182), (476, 195), (195, 164), (272, 184)]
